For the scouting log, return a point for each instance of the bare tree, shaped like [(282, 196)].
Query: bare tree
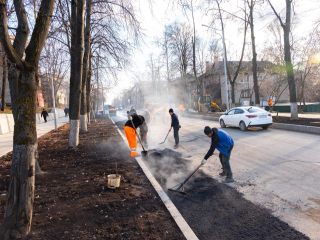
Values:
[(53, 65), (4, 80), (274, 84), (251, 5), (181, 48), (19, 207), (287, 55), (307, 50), (83, 117), (77, 25), (233, 67)]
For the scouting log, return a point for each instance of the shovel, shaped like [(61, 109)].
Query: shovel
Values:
[(181, 185), (144, 153), (165, 138)]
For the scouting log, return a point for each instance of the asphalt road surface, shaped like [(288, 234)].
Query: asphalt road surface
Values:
[(275, 169)]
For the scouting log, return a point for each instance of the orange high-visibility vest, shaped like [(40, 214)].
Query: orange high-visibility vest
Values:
[(270, 102), (131, 137), (180, 107)]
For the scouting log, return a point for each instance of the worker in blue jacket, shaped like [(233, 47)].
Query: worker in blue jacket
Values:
[(224, 143)]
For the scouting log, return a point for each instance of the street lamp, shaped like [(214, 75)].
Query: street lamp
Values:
[(224, 60)]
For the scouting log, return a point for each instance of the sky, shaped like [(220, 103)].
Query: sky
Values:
[(153, 22)]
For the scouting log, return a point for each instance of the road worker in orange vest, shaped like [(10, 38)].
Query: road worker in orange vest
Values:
[(181, 107), (130, 132)]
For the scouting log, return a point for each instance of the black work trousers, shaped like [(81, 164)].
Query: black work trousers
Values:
[(176, 134), (225, 162)]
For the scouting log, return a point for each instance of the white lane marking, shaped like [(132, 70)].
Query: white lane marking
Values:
[(181, 222)]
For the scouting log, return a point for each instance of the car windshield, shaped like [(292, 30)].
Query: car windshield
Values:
[(254, 109)]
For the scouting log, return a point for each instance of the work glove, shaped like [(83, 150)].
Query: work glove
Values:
[(130, 117), (203, 162)]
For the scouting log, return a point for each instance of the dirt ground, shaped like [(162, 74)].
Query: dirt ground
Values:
[(72, 200), (212, 209), (301, 121)]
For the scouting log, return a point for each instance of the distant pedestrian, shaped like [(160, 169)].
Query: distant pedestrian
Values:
[(66, 111), (224, 143), (270, 102), (44, 114), (175, 125), (132, 110)]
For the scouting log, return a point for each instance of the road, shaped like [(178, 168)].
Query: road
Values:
[(276, 169)]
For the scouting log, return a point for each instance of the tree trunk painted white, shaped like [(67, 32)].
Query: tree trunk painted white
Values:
[(20, 198), (74, 133), (294, 110), (83, 124), (257, 104)]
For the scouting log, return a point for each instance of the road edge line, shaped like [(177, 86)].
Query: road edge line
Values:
[(181, 222)]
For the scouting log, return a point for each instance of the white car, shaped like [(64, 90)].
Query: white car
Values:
[(244, 117)]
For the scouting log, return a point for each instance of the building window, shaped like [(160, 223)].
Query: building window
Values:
[(245, 79), (245, 93)]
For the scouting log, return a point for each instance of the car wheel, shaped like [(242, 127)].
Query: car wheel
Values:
[(265, 127), (222, 124), (242, 126)]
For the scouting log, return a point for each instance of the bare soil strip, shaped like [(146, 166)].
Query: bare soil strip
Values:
[(72, 200)]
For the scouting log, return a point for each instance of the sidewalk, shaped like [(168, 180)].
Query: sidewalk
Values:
[(6, 140), (301, 115)]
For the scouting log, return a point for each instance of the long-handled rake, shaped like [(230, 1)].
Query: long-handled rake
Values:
[(165, 138), (144, 153), (181, 185)]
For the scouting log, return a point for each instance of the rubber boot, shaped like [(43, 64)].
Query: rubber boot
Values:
[(229, 178), (223, 173)]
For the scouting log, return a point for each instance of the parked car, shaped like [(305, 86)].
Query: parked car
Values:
[(119, 108), (244, 117)]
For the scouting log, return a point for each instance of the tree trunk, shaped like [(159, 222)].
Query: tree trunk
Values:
[(233, 98), (289, 67), (19, 45), (88, 88), (76, 71), (254, 58), (19, 208), (4, 81), (83, 111)]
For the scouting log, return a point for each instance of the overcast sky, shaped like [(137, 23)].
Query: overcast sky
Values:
[(153, 26)]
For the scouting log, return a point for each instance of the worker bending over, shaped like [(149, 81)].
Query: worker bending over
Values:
[(130, 132), (224, 143)]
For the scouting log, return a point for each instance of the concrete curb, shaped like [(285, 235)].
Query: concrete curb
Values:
[(181, 222), (296, 128), (282, 126)]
